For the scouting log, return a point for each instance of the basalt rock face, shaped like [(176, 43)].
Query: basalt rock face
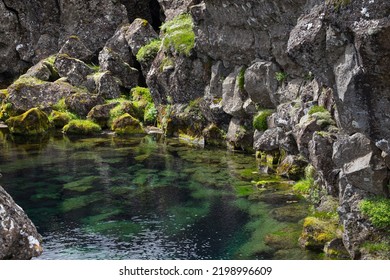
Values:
[(34, 30), (19, 237), (294, 57)]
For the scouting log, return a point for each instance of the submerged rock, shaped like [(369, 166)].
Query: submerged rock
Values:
[(19, 237)]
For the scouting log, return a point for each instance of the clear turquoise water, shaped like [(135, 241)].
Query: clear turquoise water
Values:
[(138, 198)]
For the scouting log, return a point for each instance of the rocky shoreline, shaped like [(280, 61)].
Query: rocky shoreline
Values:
[(303, 85)]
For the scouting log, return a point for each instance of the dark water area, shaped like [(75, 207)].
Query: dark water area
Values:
[(139, 198)]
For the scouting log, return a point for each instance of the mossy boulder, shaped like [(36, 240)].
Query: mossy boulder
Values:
[(60, 119), (101, 114), (3, 94), (126, 124), (292, 167), (214, 136), (32, 122), (81, 127), (29, 92), (82, 102), (317, 232)]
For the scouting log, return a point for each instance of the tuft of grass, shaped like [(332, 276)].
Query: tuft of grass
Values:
[(149, 51), (378, 211), (260, 120), (305, 185), (281, 76), (317, 109), (178, 34)]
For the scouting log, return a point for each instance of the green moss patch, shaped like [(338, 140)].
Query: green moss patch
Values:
[(260, 120), (32, 122), (81, 127), (178, 34), (126, 124), (149, 51)]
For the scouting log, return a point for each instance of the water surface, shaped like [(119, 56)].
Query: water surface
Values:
[(139, 198)]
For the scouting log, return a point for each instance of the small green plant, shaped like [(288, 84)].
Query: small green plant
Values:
[(315, 109), (149, 51), (141, 93), (94, 67), (178, 34), (378, 211), (281, 76), (150, 116), (305, 185), (337, 4), (241, 78), (260, 120)]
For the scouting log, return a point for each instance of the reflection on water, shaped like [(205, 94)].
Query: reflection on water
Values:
[(138, 198)]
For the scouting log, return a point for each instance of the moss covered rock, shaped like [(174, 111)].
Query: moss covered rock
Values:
[(32, 122), (60, 119), (126, 124), (81, 127), (317, 232)]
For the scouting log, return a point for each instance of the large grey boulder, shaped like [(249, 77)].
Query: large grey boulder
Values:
[(28, 92), (233, 97), (82, 102), (19, 239), (261, 83), (240, 135), (138, 34), (75, 70), (113, 62), (361, 164), (75, 48)]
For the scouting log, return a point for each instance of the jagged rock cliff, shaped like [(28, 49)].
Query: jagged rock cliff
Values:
[(301, 82)]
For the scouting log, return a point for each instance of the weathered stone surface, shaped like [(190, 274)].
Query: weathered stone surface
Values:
[(320, 155), (107, 85), (20, 239), (269, 140), (139, 34), (27, 93), (178, 79), (239, 135), (82, 102), (261, 83), (34, 30), (233, 97), (304, 132), (40, 71), (361, 164), (75, 48), (174, 8), (118, 44), (100, 114), (73, 69), (112, 61)]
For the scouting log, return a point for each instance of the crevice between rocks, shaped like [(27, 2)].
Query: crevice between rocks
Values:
[(12, 10)]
